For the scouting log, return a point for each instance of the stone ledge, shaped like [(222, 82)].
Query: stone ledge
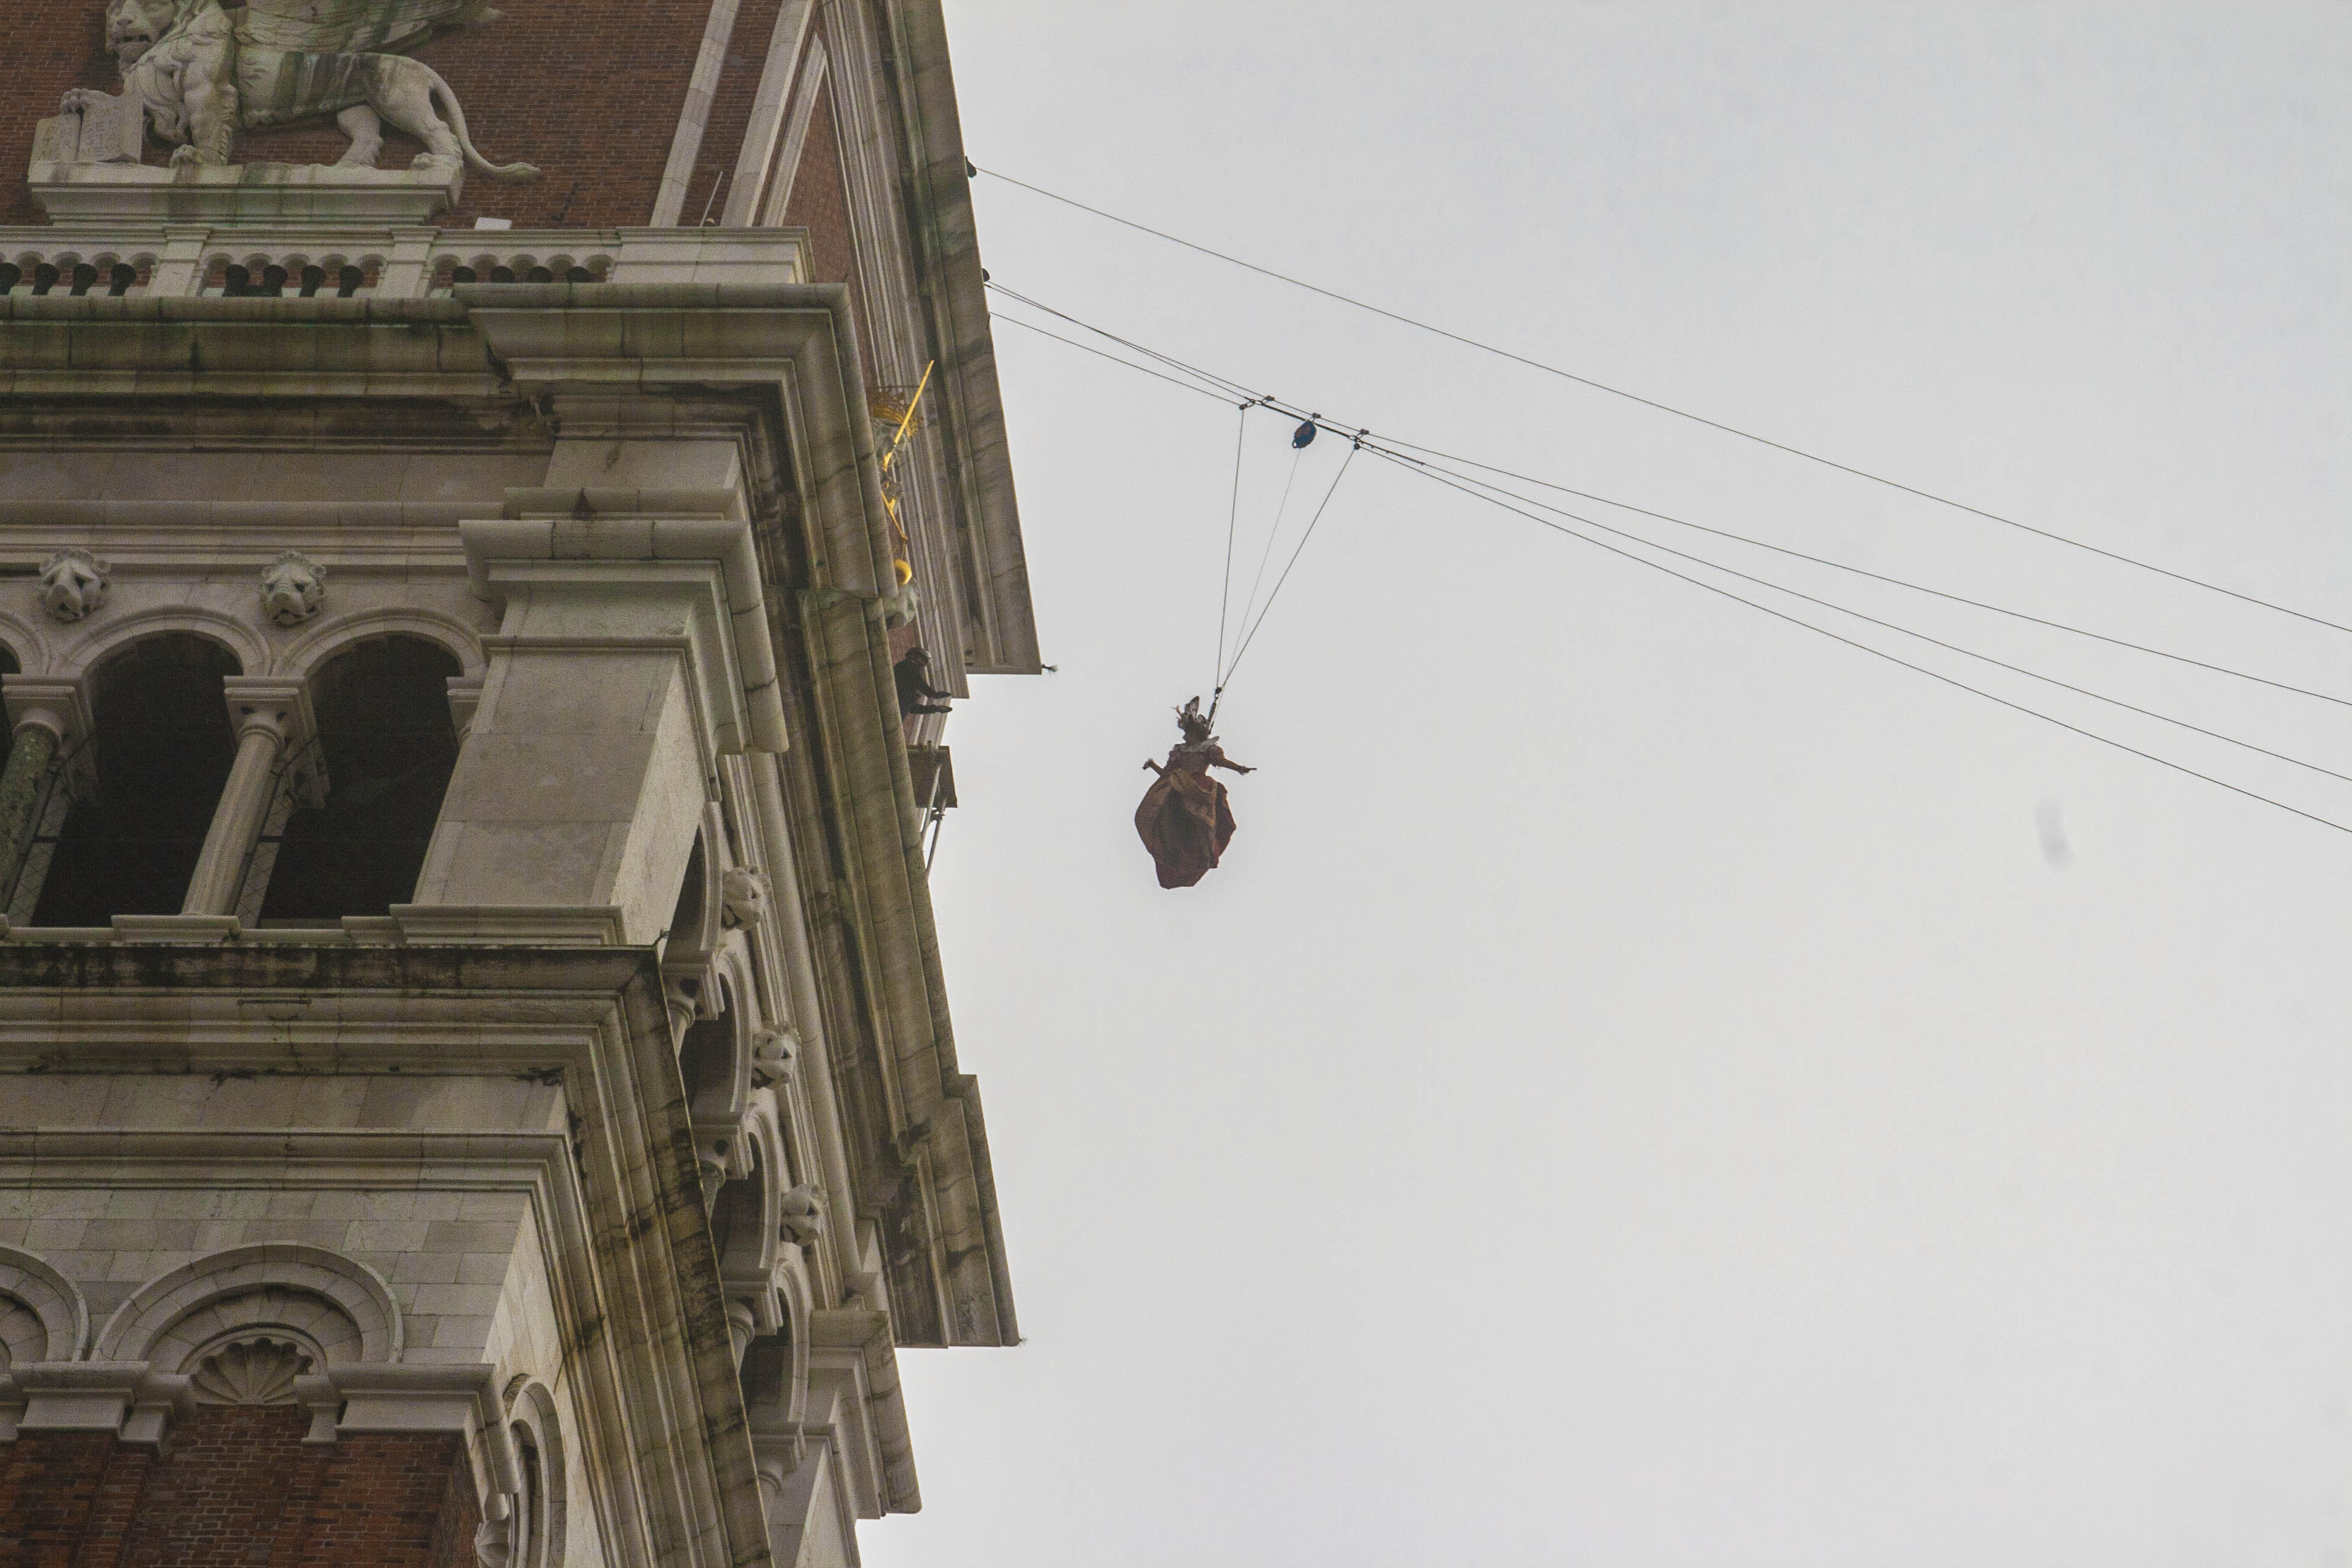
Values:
[(527, 925), (202, 931), (121, 1397), (196, 193)]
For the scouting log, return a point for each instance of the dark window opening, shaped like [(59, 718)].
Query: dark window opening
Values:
[(389, 746), (686, 921), (738, 1223), (706, 1061), (162, 751)]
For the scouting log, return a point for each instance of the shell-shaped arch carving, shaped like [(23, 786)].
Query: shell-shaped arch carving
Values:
[(323, 641), (341, 1303), (49, 1311), (116, 634)]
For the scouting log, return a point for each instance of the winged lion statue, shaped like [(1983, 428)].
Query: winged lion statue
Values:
[(201, 73)]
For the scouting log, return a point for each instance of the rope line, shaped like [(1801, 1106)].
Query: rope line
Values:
[(1874, 620), (1232, 520), (1667, 408), (1098, 353), (1865, 572), (1434, 477), (1279, 407), (1282, 509), (1465, 484), (1354, 447)]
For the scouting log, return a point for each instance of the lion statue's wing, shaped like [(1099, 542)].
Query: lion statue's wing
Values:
[(339, 26)]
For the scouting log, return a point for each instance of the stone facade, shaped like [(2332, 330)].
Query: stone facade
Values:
[(475, 1083)]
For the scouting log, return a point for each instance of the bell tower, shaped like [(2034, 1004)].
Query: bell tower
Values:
[(477, 1078)]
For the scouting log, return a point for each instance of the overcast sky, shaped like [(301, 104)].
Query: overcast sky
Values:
[(1651, 1084)]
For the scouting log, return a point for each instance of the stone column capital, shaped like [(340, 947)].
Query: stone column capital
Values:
[(60, 704), (275, 703)]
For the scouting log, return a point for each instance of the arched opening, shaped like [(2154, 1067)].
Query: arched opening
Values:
[(389, 746), (161, 749), (706, 1060), (540, 1507), (529, 1549), (9, 663), (739, 1223), (687, 918)]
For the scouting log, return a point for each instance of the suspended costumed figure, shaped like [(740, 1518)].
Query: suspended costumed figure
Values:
[(1185, 820)]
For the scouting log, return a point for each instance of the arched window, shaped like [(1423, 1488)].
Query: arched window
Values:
[(163, 750), (535, 1540), (389, 746)]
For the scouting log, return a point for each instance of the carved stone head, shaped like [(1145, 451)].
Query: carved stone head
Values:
[(803, 1211), (773, 1056), (72, 584), (745, 895), (134, 27), (292, 586)]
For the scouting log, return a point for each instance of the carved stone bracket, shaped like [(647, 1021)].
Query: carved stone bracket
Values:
[(293, 586), (73, 585), (775, 1058), (122, 1397), (746, 895), (802, 1209)]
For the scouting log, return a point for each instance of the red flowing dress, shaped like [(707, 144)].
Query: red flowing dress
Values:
[(1185, 820)]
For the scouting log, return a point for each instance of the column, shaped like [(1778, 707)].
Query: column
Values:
[(263, 711), (45, 713)]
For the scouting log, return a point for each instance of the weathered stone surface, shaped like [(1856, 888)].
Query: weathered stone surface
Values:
[(607, 1171)]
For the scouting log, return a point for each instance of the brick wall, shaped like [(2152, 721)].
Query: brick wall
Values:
[(820, 203), (237, 1486), (730, 110), (588, 90)]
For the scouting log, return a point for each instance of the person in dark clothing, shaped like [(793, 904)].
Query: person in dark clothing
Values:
[(916, 692)]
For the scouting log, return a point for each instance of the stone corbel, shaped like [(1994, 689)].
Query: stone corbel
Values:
[(722, 1153), (465, 697), (324, 1401), (690, 991), (121, 1397)]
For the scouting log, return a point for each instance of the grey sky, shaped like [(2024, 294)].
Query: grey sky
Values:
[(1650, 1085)]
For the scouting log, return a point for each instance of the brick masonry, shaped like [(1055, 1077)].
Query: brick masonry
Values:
[(730, 110), (820, 203), (236, 1485), (590, 90)]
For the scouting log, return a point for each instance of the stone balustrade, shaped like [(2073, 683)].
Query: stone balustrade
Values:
[(336, 260)]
